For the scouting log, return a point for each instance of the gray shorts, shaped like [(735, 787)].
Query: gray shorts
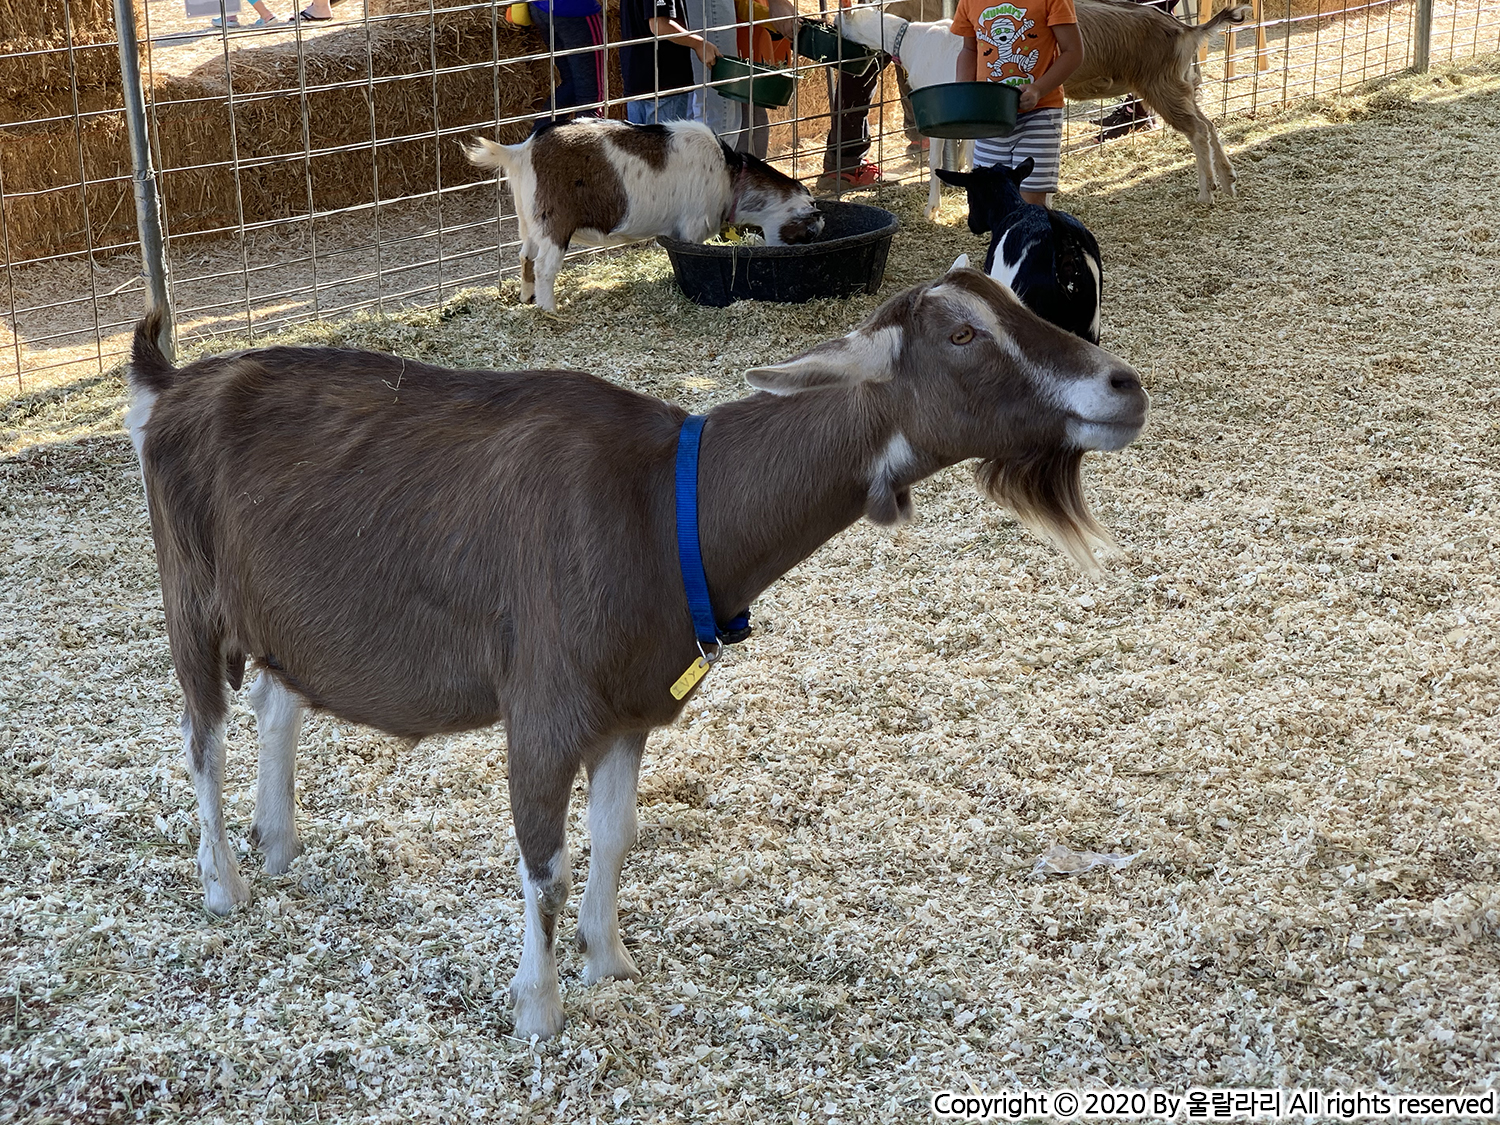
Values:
[(1038, 135)]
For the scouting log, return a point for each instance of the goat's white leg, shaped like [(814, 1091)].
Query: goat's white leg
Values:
[(541, 778), (278, 722), (223, 889), (612, 833), (1183, 114), (538, 1001), (527, 254), (549, 261), (528, 278), (934, 185), (1223, 170)]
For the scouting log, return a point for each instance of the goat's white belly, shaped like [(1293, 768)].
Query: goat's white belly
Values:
[(1092, 87), (588, 236)]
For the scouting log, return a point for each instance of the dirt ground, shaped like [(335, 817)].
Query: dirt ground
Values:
[(1282, 698)]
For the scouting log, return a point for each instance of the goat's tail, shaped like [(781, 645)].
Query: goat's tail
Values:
[(150, 369), (492, 155), (1233, 14)]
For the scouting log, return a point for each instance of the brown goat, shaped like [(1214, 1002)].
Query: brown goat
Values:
[(424, 551)]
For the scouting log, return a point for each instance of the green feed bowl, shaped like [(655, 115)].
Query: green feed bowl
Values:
[(751, 82), (965, 110), (821, 43)]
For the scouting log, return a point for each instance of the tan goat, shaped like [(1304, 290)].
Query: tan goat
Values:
[(1129, 48)]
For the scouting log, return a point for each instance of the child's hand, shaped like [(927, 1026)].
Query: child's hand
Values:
[(1029, 98), (708, 53)]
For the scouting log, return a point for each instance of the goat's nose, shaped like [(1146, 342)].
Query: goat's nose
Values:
[(1124, 380)]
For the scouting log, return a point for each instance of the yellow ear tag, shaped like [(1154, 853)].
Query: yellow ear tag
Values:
[(696, 671)]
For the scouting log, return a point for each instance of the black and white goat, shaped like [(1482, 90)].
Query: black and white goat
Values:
[(1047, 258), (426, 551), (607, 183)]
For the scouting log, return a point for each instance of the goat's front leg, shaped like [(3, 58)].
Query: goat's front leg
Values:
[(541, 775), (278, 722), (934, 185), (612, 832), (203, 740)]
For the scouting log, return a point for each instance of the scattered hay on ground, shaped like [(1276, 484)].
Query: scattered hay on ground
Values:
[(1284, 698)]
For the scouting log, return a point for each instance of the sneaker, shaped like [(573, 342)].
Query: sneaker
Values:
[(263, 22), (866, 175), (226, 21), (1126, 119)]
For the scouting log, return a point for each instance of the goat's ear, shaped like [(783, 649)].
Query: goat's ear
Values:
[(863, 356), (957, 179), (959, 263), (1022, 170)]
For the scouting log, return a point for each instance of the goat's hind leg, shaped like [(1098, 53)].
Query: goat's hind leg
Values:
[(1223, 170), (612, 833), (204, 742), (278, 722), (549, 260), (1183, 114)]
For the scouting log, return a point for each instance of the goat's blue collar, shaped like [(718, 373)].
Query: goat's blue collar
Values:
[(689, 556)]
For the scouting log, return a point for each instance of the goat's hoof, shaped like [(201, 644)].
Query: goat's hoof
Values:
[(278, 852), (615, 965), (932, 214), (223, 894), (541, 1018)]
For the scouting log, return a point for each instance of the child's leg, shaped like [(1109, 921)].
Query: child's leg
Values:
[(1038, 135)]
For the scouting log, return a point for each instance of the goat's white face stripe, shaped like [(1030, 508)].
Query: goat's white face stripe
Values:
[(879, 349), (979, 314)]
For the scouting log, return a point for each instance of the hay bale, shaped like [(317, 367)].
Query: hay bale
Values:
[(199, 181), (31, 20), (35, 54)]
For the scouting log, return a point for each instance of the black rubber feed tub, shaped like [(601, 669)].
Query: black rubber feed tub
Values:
[(848, 258)]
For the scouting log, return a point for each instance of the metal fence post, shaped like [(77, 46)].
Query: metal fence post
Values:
[(147, 202), (949, 160), (1421, 51)]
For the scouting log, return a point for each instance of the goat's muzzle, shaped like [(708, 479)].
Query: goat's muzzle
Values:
[(802, 228), (1111, 412)]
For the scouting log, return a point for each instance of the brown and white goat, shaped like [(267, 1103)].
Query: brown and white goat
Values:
[(424, 551), (1128, 48), (606, 183)]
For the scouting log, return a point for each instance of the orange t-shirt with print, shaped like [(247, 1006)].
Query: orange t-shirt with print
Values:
[(1015, 40)]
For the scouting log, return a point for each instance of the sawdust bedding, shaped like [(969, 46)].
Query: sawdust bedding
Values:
[(1283, 697)]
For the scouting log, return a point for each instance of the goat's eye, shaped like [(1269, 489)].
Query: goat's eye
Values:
[(963, 335)]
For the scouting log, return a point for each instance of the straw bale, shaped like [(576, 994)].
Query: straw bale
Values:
[(1284, 696), (194, 129), (48, 64), (23, 21)]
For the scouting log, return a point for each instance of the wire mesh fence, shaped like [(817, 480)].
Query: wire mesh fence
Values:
[(313, 167)]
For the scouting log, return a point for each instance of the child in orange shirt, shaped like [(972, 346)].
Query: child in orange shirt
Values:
[(1032, 44)]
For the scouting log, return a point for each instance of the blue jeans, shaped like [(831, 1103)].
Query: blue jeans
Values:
[(659, 110), (579, 76)]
